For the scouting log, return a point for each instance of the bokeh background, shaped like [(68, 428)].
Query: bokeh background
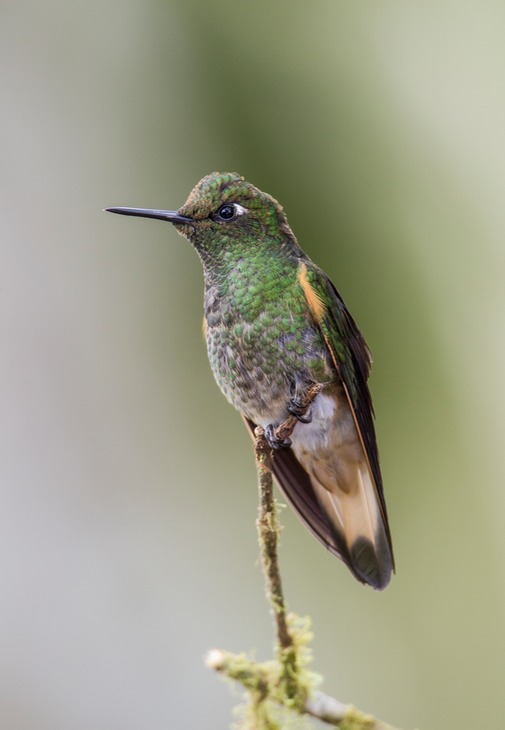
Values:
[(127, 504)]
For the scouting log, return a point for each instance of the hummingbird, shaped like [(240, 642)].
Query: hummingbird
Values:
[(274, 326)]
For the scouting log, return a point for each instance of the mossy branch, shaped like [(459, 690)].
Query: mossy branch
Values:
[(283, 685)]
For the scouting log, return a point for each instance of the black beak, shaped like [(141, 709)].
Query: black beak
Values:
[(163, 215)]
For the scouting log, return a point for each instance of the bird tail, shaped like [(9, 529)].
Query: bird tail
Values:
[(348, 498)]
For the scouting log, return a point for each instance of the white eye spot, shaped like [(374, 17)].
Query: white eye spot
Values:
[(229, 211)]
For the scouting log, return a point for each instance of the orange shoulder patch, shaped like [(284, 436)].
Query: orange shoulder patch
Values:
[(316, 304), (204, 328)]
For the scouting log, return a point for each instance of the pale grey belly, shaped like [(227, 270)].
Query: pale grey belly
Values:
[(257, 373)]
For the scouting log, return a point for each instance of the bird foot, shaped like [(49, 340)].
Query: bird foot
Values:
[(299, 403), (299, 410), (274, 441)]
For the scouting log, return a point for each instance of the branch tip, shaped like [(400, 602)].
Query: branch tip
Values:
[(215, 659)]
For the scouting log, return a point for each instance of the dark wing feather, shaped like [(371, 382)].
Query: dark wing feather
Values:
[(352, 360), (297, 488)]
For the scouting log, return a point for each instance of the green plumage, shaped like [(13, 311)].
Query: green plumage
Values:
[(259, 334), (274, 325)]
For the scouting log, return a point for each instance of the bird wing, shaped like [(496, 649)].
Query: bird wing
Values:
[(352, 360)]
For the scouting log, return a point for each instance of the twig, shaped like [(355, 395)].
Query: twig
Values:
[(268, 532), (259, 680), (268, 536)]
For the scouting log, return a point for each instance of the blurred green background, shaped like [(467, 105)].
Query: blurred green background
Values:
[(128, 497)]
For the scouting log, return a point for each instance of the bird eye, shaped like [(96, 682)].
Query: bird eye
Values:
[(226, 212)]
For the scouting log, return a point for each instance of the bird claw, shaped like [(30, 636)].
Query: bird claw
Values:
[(299, 411), (273, 440)]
